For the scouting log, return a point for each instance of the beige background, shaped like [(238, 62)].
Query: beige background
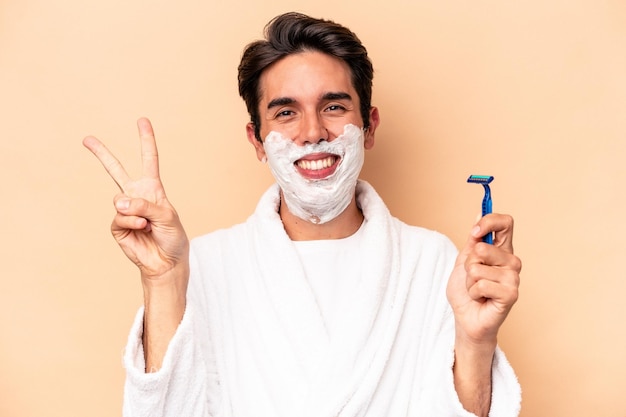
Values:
[(531, 92)]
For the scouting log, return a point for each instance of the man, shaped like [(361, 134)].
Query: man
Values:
[(322, 303)]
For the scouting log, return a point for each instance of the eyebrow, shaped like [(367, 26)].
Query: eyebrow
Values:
[(280, 101), (337, 96), (283, 101)]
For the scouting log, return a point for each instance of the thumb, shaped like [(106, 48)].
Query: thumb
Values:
[(140, 207), (474, 237)]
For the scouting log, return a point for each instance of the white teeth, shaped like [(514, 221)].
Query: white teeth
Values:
[(317, 164)]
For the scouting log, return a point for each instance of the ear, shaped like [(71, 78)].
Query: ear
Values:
[(258, 145), (371, 130)]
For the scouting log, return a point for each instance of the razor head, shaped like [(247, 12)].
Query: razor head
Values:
[(480, 179)]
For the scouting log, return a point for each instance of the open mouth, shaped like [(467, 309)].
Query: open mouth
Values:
[(317, 166)]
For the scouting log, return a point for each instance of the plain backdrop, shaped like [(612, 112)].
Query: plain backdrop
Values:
[(531, 92)]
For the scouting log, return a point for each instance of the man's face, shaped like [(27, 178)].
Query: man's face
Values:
[(309, 97)]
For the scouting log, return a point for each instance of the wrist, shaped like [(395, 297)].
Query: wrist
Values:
[(172, 278), (473, 358), (165, 298), (475, 347)]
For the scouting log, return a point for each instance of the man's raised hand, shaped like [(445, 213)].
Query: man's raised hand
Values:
[(484, 284), (145, 225)]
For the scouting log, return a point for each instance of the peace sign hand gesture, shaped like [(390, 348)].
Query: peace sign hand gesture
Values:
[(148, 230), (146, 226)]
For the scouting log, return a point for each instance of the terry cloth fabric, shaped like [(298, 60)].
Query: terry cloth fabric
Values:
[(253, 341)]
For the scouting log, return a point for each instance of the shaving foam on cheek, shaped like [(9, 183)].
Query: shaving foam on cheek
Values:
[(317, 200)]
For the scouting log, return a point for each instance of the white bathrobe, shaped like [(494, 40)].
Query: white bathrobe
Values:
[(253, 341)]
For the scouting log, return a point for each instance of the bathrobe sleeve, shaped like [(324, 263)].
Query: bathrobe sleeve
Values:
[(444, 401), (186, 384), (179, 388)]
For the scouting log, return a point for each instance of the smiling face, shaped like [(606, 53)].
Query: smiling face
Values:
[(313, 136), (309, 97)]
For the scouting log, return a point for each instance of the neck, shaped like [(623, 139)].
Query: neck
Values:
[(344, 225)]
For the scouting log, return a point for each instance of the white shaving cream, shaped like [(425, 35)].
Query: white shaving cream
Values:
[(317, 200)]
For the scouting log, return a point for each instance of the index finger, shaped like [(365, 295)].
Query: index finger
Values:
[(149, 153), (108, 160)]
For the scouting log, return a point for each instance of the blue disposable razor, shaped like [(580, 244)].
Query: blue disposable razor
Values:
[(484, 180)]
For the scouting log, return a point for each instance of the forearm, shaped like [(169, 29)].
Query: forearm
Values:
[(472, 375), (164, 303)]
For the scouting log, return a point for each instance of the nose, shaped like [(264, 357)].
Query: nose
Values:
[(312, 130)]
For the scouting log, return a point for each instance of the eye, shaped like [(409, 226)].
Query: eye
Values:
[(284, 113), (335, 107)]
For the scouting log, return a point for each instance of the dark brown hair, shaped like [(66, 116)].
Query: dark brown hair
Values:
[(292, 33)]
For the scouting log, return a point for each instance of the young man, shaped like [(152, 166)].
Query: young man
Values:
[(322, 303)]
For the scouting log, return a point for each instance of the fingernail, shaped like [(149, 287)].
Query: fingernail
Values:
[(476, 231), (122, 204)]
